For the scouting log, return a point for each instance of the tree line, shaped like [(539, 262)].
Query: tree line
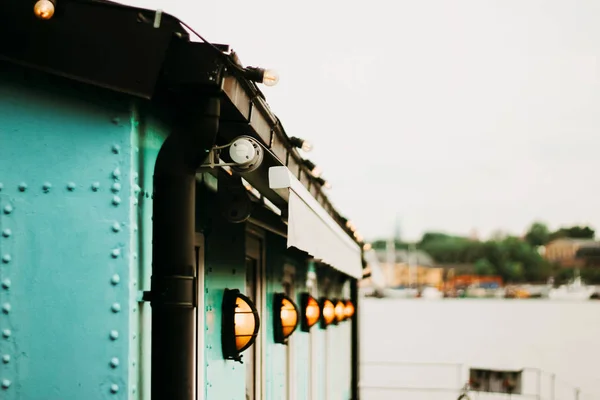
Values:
[(513, 258)]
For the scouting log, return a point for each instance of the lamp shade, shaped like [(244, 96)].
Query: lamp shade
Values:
[(311, 312), (340, 311), (240, 324), (44, 9), (328, 312), (285, 317), (349, 309)]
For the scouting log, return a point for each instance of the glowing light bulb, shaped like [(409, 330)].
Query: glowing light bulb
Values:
[(316, 171), (44, 9), (270, 77), (307, 146)]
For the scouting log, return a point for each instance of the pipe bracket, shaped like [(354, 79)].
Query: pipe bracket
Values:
[(172, 291)]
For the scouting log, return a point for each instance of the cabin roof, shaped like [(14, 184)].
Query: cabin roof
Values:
[(142, 53)]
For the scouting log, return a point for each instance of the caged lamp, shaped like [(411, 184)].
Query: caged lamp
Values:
[(311, 312), (285, 317), (339, 311), (240, 324), (349, 309), (328, 312)]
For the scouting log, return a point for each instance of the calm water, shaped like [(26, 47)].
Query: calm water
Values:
[(557, 337)]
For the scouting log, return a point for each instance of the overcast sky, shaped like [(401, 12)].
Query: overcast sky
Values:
[(454, 115)]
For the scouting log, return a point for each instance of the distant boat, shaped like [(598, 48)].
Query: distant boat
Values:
[(431, 293), (400, 293), (575, 290)]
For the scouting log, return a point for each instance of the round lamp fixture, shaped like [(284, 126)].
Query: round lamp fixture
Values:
[(349, 309), (240, 324), (44, 9), (328, 314), (246, 153), (340, 311), (311, 312), (285, 317)]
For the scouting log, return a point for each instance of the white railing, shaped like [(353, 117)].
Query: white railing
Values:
[(433, 381)]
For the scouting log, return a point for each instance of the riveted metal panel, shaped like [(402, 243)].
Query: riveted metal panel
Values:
[(147, 136), (275, 354), (278, 258), (301, 342), (224, 268), (65, 198)]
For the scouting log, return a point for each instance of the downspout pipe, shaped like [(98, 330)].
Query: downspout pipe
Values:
[(173, 289)]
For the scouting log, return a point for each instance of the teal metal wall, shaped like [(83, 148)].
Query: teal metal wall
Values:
[(224, 268), (75, 209), (76, 169), (277, 353), (148, 134)]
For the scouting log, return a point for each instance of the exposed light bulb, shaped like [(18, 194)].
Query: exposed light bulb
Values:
[(306, 146), (44, 9), (270, 77)]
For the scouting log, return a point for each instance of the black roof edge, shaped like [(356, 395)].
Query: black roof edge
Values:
[(118, 47)]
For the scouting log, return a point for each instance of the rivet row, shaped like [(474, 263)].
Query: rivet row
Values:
[(71, 186)]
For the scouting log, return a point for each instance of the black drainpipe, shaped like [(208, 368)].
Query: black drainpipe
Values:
[(173, 292)]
